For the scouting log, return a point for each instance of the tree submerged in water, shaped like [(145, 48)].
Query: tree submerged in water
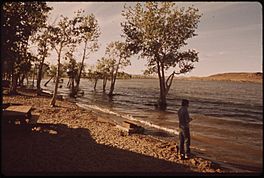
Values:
[(157, 31), (67, 35), (116, 57)]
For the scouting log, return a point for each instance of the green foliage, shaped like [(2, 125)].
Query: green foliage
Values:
[(103, 66), (20, 20), (117, 55), (71, 66), (87, 32), (68, 34), (123, 75), (41, 39), (60, 36), (158, 30)]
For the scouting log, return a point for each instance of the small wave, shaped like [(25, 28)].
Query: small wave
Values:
[(129, 117), (97, 108), (47, 91)]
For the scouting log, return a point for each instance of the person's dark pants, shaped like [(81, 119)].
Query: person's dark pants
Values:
[(185, 141)]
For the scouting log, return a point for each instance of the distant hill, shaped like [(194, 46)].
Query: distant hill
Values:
[(239, 77), (255, 77)]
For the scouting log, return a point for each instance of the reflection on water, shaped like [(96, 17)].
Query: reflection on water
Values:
[(227, 116)]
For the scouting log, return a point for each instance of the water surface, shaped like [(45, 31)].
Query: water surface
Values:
[(227, 116)]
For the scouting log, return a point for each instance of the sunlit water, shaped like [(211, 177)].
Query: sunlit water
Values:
[(227, 124)]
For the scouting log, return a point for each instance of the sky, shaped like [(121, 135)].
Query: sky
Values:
[(229, 34)]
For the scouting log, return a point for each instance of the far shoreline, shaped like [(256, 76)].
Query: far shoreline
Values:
[(252, 77)]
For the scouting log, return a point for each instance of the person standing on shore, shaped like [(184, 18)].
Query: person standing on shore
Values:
[(184, 130)]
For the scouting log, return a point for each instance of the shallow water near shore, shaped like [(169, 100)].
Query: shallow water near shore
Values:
[(227, 124)]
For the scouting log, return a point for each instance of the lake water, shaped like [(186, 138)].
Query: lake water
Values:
[(227, 124)]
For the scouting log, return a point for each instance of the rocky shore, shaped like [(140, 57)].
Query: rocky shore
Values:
[(69, 139)]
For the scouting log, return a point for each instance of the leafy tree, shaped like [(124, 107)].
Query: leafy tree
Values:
[(94, 75), (157, 31), (60, 37), (43, 51), (87, 32), (71, 69), (123, 75), (117, 58), (79, 66), (19, 20), (103, 66), (25, 67)]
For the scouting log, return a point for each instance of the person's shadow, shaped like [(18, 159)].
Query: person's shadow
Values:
[(56, 149)]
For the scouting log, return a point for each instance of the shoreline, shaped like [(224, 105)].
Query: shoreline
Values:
[(104, 134), (199, 79)]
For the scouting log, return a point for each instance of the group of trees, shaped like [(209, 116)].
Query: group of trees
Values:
[(25, 22), (19, 21), (82, 31), (155, 31)]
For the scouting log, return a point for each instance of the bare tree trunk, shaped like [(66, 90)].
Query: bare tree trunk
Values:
[(80, 72), (27, 79), (169, 82), (33, 77), (111, 83), (162, 104), (69, 83), (53, 100), (40, 76), (48, 81), (113, 79), (22, 79), (13, 87), (112, 87), (73, 91), (104, 83), (95, 83)]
